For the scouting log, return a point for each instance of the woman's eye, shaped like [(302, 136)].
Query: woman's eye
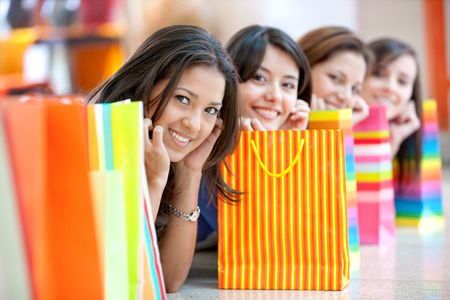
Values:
[(212, 111), (259, 77), (402, 82), (290, 85), (182, 99), (335, 78)]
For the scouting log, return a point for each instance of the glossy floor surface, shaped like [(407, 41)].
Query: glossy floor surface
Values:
[(415, 266)]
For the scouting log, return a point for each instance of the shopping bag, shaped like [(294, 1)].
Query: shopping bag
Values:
[(342, 119), (375, 193), (418, 197), (116, 152), (289, 230), (14, 272), (153, 277), (47, 143), (109, 200)]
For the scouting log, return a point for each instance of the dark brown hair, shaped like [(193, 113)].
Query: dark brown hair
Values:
[(166, 54), (248, 47), (385, 51), (322, 43)]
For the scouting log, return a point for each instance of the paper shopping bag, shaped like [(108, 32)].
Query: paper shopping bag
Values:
[(375, 193), (342, 119), (418, 197), (108, 195), (289, 230), (116, 147), (15, 280), (47, 144)]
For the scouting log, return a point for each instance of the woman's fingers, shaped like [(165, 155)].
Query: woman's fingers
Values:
[(257, 125), (246, 124), (318, 103), (157, 139), (216, 131), (300, 115), (148, 127), (360, 110)]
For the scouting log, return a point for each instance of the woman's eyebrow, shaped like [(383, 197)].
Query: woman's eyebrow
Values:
[(287, 76), (405, 75), (341, 73), (192, 94)]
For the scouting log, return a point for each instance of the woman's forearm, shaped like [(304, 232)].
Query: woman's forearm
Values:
[(177, 245), (155, 190)]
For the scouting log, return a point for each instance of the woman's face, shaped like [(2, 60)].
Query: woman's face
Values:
[(338, 79), (192, 110), (392, 85), (271, 94)]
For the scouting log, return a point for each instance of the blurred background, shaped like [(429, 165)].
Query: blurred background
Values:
[(70, 46)]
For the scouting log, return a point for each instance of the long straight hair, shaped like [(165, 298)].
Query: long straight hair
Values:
[(387, 50), (322, 43), (166, 55), (248, 46)]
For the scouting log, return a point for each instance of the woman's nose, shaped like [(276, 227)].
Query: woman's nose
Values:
[(274, 93), (389, 84), (345, 97), (192, 121)]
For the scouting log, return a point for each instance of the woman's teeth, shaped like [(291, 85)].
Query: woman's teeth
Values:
[(267, 113), (179, 137)]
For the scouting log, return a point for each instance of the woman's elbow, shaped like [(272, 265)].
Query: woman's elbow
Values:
[(174, 285)]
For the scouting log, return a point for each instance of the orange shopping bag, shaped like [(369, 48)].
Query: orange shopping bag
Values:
[(289, 230), (47, 143)]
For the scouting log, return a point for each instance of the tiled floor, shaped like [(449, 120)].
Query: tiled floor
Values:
[(415, 266)]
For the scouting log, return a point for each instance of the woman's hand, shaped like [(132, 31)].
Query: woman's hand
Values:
[(318, 103), (360, 110), (157, 164), (298, 119), (197, 158), (250, 124), (403, 126), (157, 161)]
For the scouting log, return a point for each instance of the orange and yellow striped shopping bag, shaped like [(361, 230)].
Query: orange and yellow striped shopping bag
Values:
[(289, 230)]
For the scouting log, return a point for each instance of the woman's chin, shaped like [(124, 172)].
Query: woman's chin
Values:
[(176, 157)]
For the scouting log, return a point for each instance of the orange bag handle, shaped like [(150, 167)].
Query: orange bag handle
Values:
[(266, 169)]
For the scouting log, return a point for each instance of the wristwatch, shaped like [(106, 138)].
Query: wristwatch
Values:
[(191, 217)]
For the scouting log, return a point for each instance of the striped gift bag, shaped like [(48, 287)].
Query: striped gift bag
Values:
[(289, 230), (375, 192), (418, 199), (342, 119)]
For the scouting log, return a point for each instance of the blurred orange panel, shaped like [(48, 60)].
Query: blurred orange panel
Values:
[(435, 37), (92, 62), (12, 49)]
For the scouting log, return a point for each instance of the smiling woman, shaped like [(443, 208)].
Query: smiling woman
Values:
[(275, 90), (339, 62), (395, 83), (276, 85), (189, 89), (192, 111)]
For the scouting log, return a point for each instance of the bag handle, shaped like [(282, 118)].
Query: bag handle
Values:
[(266, 169)]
